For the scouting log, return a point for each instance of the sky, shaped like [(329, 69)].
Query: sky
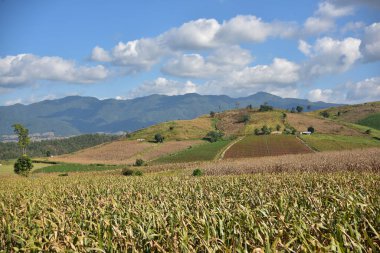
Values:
[(319, 50)]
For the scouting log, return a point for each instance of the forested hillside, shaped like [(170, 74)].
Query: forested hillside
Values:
[(55, 147)]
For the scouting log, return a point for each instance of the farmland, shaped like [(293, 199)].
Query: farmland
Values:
[(204, 152), (125, 152), (371, 121), (274, 212), (268, 145), (325, 142)]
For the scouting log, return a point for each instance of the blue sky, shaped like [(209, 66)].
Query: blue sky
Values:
[(320, 50)]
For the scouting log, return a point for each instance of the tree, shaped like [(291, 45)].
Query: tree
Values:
[(278, 127), (48, 154), (368, 131), (308, 107), (299, 109), (311, 129), (23, 137), (159, 138), (23, 165), (214, 136), (249, 107), (293, 110), (257, 131), (212, 114)]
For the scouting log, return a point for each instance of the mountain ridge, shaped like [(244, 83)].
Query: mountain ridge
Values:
[(75, 115)]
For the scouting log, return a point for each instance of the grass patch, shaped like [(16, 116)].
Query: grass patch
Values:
[(67, 167), (325, 142), (371, 121), (203, 152)]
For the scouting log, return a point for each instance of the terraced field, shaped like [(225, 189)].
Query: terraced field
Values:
[(327, 142), (266, 145)]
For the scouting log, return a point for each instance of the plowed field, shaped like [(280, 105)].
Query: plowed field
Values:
[(266, 145)]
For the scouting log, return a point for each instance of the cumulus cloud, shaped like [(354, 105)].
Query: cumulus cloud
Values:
[(27, 68), (304, 47), (323, 19), (99, 54), (370, 46), (164, 86), (359, 92), (220, 62), (281, 71), (331, 56)]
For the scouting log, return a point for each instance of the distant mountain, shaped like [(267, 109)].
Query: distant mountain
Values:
[(78, 115)]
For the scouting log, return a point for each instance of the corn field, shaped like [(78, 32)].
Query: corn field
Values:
[(285, 212)]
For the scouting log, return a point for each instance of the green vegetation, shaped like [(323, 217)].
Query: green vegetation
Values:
[(197, 173), (23, 137), (69, 167), (23, 165), (371, 121), (55, 147), (285, 212), (139, 162), (213, 136), (324, 142), (265, 108), (203, 152), (131, 172), (159, 138)]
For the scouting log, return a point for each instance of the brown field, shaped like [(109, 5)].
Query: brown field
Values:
[(330, 161), (228, 122), (267, 145), (302, 121), (124, 152)]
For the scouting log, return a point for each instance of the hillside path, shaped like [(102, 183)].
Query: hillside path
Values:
[(221, 155)]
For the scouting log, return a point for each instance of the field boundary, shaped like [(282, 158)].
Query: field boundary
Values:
[(220, 156), (307, 145)]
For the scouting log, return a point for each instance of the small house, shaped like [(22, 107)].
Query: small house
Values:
[(306, 133)]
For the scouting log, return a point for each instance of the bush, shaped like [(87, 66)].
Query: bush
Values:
[(325, 114), (244, 118), (197, 172), (130, 172), (258, 131), (159, 138), (299, 109), (266, 130), (311, 129), (265, 108), (368, 131), (213, 136), (139, 162), (212, 114), (278, 127), (23, 165)]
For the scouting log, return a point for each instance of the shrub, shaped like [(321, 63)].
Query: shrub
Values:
[(171, 128), (368, 131), (258, 131), (139, 162), (311, 129), (197, 172), (278, 127), (23, 165), (244, 118), (325, 114), (63, 175), (266, 130), (299, 109), (159, 138), (130, 172), (212, 114), (214, 136), (265, 107)]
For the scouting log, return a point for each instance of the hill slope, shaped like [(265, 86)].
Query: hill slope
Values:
[(76, 115)]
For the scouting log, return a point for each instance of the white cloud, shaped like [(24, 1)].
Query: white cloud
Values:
[(165, 87), (99, 54), (329, 56), (371, 42), (359, 92), (304, 47), (323, 19), (366, 90), (195, 34), (320, 95), (27, 68), (30, 100), (281, 71), (352, 26), (222, 61)]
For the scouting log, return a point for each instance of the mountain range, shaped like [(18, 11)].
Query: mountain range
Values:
[(76, 115)]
